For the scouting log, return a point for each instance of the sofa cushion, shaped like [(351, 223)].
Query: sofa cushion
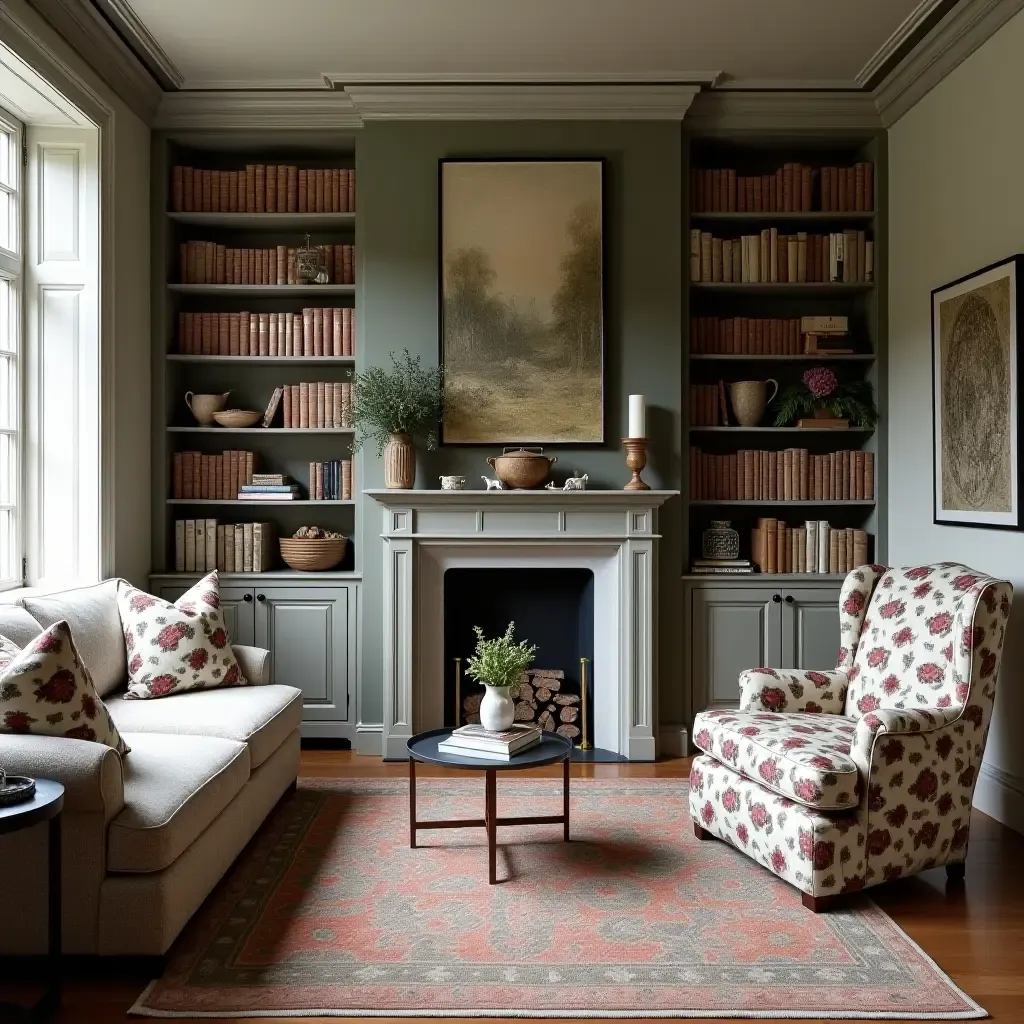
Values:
[(91, 612), (18, 625), (46, 690), (176, 647), (260, 716), (174, 787), (802, 756)]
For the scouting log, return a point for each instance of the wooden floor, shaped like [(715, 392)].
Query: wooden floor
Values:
[(974, 933)]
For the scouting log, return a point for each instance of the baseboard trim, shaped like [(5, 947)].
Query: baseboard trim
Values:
[(673, 741), (368, 738), (1000, 795)]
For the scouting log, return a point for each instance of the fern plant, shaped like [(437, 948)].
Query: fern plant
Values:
[(499, 662), (819, 388), (407, 399)]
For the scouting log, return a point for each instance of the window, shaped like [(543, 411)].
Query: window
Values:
[(11, 266)]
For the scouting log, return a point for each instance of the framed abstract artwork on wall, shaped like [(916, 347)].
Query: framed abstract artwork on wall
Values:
[(976, 390), (522, 301)]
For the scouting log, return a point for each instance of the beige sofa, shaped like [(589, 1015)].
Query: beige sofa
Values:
[(145, 838)]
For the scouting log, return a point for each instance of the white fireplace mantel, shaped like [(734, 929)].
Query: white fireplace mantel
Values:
[(426, 532)]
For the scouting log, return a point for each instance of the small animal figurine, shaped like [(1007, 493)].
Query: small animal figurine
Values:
[(493, 484), (576, 482), (552, 486)]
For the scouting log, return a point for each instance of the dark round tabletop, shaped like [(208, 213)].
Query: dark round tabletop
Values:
[(551, 749), (46, 803)]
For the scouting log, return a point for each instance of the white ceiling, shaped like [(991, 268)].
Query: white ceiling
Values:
[(267, 43)]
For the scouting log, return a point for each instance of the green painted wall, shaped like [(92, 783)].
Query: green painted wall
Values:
[(398, 308)]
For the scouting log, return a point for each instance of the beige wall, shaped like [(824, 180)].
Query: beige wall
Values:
[(127, 237), (956, 204)]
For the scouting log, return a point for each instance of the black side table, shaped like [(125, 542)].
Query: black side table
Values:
[(45, 805)]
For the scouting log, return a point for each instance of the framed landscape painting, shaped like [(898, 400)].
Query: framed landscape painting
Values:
[(976, 376), (522, 301)]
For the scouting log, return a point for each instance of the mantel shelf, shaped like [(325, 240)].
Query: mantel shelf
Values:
[(540, 496), (177, 357), (269, 290), (265, 221), (297, 431)]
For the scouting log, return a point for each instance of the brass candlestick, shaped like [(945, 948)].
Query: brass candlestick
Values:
[(585, 744), (458, 693), (636, 459)]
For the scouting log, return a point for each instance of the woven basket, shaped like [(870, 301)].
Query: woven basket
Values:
[(308, 554)]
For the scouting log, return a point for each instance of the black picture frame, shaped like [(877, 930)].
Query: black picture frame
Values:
[(600, 436), (983, 358)]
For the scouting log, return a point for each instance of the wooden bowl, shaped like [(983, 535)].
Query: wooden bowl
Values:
[(238, 417), (307, 554)]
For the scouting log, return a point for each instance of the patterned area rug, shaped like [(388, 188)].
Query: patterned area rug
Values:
[(329, 912)]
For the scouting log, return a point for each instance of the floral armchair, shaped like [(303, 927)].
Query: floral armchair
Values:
[(842, 779)]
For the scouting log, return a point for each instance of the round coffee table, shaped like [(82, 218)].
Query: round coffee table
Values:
[(551, 749)]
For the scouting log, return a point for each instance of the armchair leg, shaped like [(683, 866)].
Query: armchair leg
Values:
[(701, 833), (819, 904), (956, 872)]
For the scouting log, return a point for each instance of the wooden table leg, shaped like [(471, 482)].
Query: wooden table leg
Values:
[(565, 795), (491, 816), (412, 803)]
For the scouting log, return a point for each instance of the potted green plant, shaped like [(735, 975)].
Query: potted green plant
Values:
[(392, 407), (497, 664), (819, 393)]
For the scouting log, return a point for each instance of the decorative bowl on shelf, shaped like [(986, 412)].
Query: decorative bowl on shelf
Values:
[(238, 417), (522, 468), (313, 554)]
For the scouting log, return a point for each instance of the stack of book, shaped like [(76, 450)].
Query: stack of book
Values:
[(210, 263), (263, 188), (476, 741), (269, 487), (331, 481), (826, 335), (313, 332), (722, 566), (202, 545)]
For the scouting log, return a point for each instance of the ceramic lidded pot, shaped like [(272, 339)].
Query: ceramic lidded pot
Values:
[(522, 468), (720, 540)]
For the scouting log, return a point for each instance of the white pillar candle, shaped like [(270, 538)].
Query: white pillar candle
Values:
[(637, 416)]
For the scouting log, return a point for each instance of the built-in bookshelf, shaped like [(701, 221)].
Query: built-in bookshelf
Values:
[(231, 211), (776, 229)]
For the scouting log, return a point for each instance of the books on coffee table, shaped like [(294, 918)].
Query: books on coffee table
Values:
[(476, 741)]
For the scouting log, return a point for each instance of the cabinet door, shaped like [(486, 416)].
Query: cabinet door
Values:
[(306, 631), (810, 627), (237, 605), (732, 629)]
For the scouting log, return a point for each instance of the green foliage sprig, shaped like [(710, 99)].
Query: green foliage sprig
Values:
[(499, 662), (408, 399), (820, 389)]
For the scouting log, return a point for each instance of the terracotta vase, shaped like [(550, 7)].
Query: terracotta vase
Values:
[(399, 463), (749, 398)]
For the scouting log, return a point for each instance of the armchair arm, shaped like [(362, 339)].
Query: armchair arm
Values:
[(89, 772), (773, 689), (254, 663), (897, 723)]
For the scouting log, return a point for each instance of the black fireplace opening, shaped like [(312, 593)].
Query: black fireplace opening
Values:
[(554, 610)]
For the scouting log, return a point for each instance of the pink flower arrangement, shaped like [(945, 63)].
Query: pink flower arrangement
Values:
[(820, 381)]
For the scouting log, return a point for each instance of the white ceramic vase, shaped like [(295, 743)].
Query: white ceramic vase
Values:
[(497, 709)]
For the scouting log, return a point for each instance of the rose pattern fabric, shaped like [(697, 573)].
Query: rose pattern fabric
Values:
[(46, 690), (803, 757), (776, 689), (174, 648), (922, 648), (821, 854)]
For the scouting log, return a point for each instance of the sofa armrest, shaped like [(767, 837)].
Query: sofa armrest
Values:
[(898, 722), (89, 772), (774, 689), (254, 663)]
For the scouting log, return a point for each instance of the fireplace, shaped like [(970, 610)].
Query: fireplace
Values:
[(553, 609), (599, 549)]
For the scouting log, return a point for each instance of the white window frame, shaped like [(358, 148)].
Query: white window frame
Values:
[(12, 269)]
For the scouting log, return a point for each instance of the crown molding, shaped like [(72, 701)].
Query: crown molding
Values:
[(965, 28), (140, 40), (338, 80), (901, 37), (721, 111), (281, 109), (522, 102), (91, 36)]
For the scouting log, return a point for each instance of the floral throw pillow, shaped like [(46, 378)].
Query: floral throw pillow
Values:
[(174, 648), (46, 690)]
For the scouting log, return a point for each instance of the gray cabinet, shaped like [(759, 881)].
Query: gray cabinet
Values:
[(311, 631), (733, 627)]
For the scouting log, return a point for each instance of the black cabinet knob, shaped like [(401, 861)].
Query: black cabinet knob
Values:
[(261, 597), (247, 598), (777, 598), (789, 599)]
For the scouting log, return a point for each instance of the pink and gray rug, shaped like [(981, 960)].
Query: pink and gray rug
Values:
[(330, 913)]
